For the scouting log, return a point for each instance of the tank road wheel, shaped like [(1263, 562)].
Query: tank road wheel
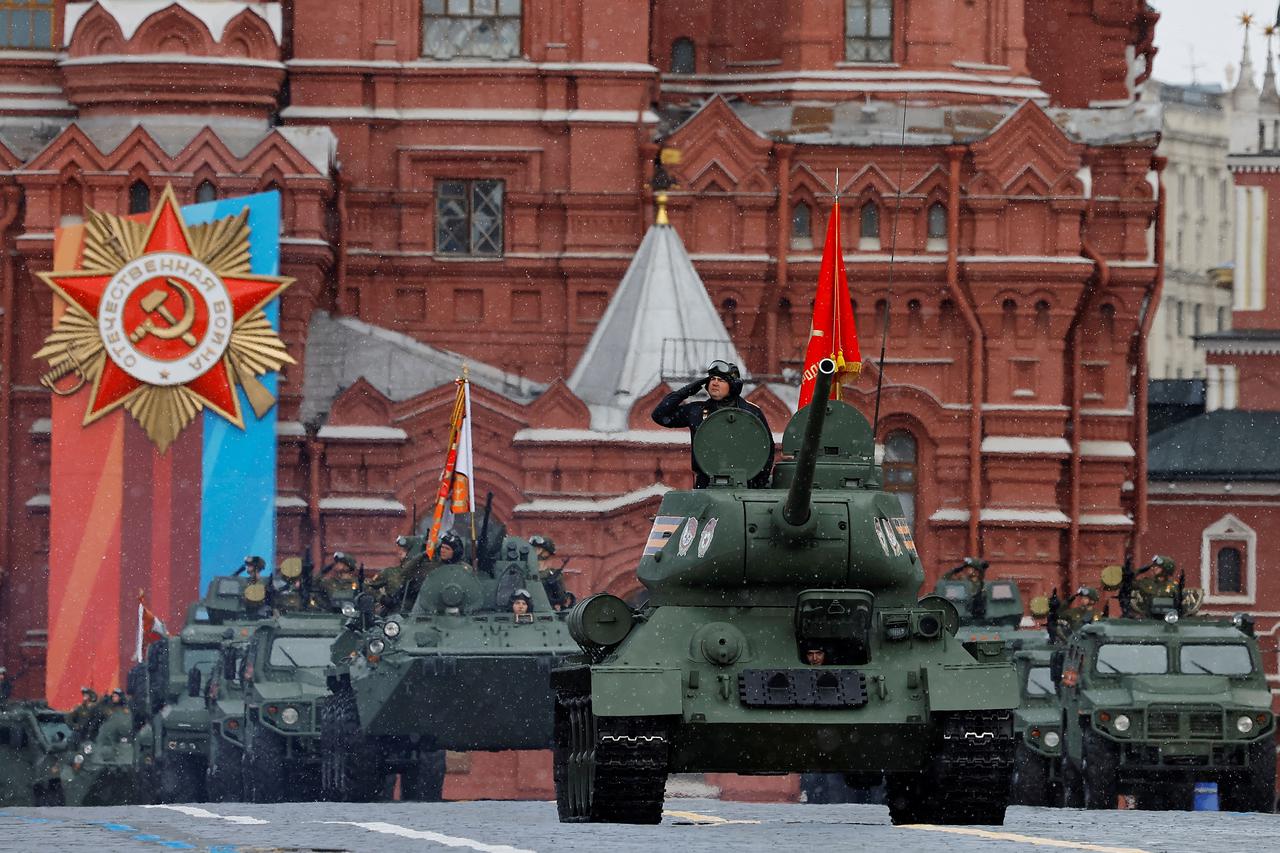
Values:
[(1253, 789), (181, 780), (1098, 773), (351, 768), (968, 780), (424, 783), (607, 770), (264, 771), (225, 778), (1031, 783)]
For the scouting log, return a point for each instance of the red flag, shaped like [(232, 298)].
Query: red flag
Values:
[(150, 629), (834, 334)]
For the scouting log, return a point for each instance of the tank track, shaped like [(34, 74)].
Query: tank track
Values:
[(968, 781), (607, 769)]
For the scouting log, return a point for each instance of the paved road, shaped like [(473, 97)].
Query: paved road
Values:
[(699, 826)]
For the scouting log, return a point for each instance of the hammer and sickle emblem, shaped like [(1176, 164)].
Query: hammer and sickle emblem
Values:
[(153, 303)]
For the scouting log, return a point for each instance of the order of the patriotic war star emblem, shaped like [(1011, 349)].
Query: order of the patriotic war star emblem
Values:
[(164, 320)]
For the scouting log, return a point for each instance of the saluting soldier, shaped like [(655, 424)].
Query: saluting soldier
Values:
[(551, 576), (399, 584), (723, 384)]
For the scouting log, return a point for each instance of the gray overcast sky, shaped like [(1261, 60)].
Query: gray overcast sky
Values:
[(1209, 29)]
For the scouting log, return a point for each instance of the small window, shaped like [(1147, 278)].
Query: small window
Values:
[(869, 227), (1228, 574), (868, 30), (1179, 319), (1195, 319), (26, 24), (1222, 318), (684, 57), (802, 226), (937, 228), (1009, 317), (206, 192), (471, 29), (469, 218), (139, 197)]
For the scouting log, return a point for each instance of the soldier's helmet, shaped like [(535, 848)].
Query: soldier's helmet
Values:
[(254, 562), (521, 594), (1088, 592), (1164, 566), (88, 695), (728, 371), (117, 697), (454, 541), (544, 542)]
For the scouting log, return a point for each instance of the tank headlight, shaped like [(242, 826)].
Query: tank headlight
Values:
[(391, 630), (348, 609), (88, 749), (1051, 740), (1122, 723), (898, 629), (1244, 725), (289, 717), (376, 647), (1171, 617)]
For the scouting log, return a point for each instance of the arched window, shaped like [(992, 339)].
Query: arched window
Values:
[(915, 320), (937, 228), (802, 226), (139, 197), (1009, 313), (868, 30), (1227, 571), (684, 56), (1044, 321), (729, 313), (869, 227), (1107, 322), (206, 192), (900, 470)]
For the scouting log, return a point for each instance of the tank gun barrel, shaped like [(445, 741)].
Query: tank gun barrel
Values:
[(795, 510)]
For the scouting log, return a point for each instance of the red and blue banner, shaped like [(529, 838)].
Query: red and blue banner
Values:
[(164, 356)]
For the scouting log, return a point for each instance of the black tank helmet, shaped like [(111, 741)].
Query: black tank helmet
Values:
[(728, 371), (522, 593), (454, 541)]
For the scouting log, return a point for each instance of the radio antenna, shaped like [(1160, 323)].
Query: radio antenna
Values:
[(893, 254)]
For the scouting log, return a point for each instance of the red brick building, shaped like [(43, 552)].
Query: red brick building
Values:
[(470, 180)]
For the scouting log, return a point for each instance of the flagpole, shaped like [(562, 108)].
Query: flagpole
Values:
[(471, 470)]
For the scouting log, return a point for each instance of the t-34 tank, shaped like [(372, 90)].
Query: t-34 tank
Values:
[(712, 675)]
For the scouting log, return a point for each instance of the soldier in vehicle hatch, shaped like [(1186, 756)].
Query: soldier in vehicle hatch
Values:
[(552, 577), (815, 655), (724, 388), (399, 584), (521, 601)]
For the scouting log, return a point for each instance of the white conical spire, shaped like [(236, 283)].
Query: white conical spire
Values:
[(660, 304), (1269, 100), (1244, 95)]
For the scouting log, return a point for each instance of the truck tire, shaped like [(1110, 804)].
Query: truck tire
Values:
[(1032, 785), (424, 783), (1098, 775), (225, 778), (181, 780), (264, 765), (1254, 788), (1072, 789), (351, 765)]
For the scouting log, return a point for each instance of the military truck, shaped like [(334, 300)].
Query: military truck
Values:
[(33, 740), (1151, 706), (748, 587), (281, 682), (458, 671), (1037, 722), (102, 769), (224, 701)]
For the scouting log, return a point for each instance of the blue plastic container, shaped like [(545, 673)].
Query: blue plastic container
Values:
[(1206, 797)]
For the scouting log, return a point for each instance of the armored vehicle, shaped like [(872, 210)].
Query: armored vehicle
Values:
[(1151, 707), (782, 634), (102, 770), (460, 670), (995, 603), (1037, 722), (33, 740), (281, 680)]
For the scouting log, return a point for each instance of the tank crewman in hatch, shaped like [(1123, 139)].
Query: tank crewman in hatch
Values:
[(399, 584), (724, 387), (815, 655), (521, 601), (552, 578)]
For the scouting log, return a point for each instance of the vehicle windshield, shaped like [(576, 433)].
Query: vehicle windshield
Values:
[(304, 652), (56, 732), (1215, 660), (202, 659), (1039, 682), (1131, 659)]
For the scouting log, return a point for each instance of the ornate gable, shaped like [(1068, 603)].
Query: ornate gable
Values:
[(716, 138), (1026, 140), (559, 408)]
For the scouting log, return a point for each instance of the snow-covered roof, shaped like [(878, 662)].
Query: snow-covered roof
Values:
[(214, 14), (661, 303), (362, 504), (343, 350), (586, 506), (1021, 444)]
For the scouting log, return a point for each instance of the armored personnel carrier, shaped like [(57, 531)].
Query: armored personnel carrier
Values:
[(459, 670), (1155, 702), (33, 740), (996, 604), (102, 769), (782, 634)]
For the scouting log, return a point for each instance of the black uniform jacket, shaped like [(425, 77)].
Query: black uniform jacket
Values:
[(674, 413)]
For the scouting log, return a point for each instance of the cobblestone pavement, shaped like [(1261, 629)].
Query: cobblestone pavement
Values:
[(689, 825)]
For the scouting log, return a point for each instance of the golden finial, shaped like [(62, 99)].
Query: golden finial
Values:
[(1246, 19), (1269, 30), (662, 210)]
